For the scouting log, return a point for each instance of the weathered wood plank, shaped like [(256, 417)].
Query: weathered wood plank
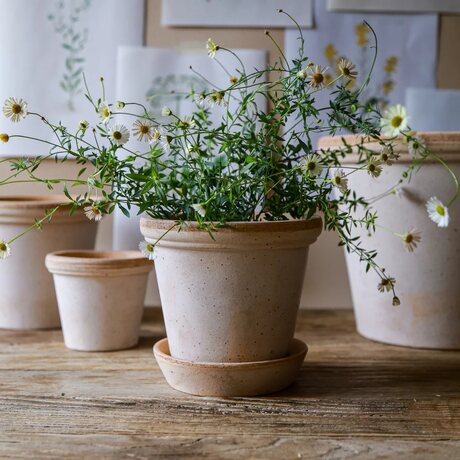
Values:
[(353, 399)]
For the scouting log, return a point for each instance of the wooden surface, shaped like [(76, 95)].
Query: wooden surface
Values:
[(353, 399)]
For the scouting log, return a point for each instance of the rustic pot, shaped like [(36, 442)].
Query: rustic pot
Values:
[(100, 297), (28, 300), (233, 298), (427, 279)]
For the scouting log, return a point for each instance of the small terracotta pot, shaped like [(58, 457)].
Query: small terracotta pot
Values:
[(233, 298), (427, 279), (28, 300), (100, 296)]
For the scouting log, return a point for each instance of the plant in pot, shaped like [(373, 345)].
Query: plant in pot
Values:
[(230, 210)]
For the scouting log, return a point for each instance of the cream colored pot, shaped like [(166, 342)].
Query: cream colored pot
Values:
[(234, 298), (27, 300), (100, 296), (427, 279)]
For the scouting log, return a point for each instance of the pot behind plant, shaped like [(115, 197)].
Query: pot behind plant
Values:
[(233, 298), (101, 297), (28, 300), (427, 280)]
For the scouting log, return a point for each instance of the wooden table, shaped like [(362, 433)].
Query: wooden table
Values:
[(354, 399)]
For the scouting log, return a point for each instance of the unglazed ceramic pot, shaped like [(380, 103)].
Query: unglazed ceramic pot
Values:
[(233, 298), (427, 280), (101, 297), (27, 300)]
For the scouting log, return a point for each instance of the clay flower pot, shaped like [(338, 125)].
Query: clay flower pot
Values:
[(427, 280), (100, 296), (232, 299), (28, 300)]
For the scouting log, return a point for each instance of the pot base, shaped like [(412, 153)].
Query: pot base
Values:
[(230, 379)]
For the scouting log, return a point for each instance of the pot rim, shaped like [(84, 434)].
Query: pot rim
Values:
[(239, 226), (33, 201), (445, 142), (97, 263)]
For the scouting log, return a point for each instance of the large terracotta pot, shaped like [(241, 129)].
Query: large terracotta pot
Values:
[(427, 279), (100, 296), (233, 298), (27, 300)]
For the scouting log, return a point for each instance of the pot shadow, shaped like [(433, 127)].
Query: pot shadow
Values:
[(400, 379), (147, 339)]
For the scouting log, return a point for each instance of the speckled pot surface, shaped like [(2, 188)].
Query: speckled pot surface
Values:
[(427, 279), (28, 300), (234, 298), (100, 296)]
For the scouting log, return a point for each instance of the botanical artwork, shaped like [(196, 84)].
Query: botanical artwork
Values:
[(171, 90), (235, 13), (60, 41), (406, 48), (379, 93), (67, 22)]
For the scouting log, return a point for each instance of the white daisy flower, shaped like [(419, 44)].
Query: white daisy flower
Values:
[(316, 76), (4, 137), (374, 168), (5, 249), (302, 74), (200, 99), (394, 121), (93, 212), (438, 212), (386, 284), (199, 208), (119, 134), (347, 69), (215, 98), (104, 112), (15, 109), (120, 105), (212, 48), (83, 125), (143, 130), (388, 156), (148, 250), (340, 180), (187, 123), (411, 239), (415, 146), (166, 111), (312, 165)]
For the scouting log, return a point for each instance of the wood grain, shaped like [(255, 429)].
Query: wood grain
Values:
[(353, 399)]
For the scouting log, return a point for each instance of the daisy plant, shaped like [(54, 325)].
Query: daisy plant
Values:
[(253, 164)]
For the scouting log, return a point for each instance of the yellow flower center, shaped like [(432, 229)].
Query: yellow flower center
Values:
[(95, 211), (440, 210), (409, 238), (346, 71), (106, 113), (3, 247), (157, 135), (338, 180), (371, 167), (4, 137), (318, 78), (233, 80), (311, 165), (396, 121), (150, 247), (144, 129), (117, 135), (16, 109)]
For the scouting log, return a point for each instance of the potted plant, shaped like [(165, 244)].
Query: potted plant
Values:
[(230, 210), (430, 317)]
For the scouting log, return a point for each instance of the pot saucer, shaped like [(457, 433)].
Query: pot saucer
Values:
[(230, 379)]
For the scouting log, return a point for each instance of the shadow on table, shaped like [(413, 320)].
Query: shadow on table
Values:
[(355, 379)]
